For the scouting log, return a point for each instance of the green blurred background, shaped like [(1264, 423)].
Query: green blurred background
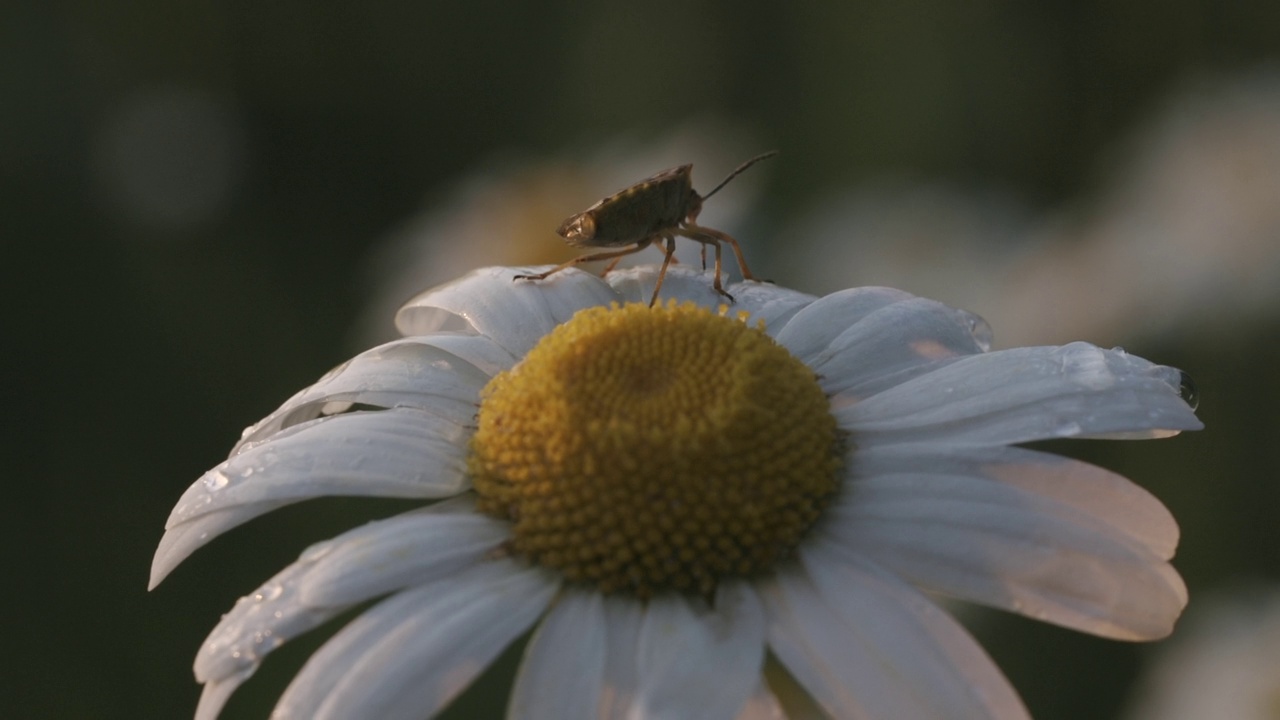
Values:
[(194, 199)]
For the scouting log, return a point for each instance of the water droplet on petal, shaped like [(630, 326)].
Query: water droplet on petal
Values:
[(979, 330), (268, 592), (215, 481), (1069, 429), (1188, 390)]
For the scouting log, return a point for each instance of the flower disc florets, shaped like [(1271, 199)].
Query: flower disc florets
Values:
[(643, 449)]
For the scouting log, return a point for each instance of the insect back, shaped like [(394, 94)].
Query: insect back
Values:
[(640, 211), (659, 208)]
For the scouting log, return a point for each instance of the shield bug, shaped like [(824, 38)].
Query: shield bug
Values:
[(661, 208)]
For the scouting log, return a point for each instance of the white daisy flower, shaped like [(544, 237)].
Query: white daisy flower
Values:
[(695, 517)]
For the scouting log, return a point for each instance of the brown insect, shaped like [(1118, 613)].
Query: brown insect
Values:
[(661, 208)]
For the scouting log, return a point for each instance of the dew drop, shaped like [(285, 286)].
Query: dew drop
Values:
[(1188, 390), (979, 330), (269, 592), (215, 481), (1069, 429)]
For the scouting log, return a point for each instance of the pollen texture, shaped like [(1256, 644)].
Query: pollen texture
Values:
[(646, 449)]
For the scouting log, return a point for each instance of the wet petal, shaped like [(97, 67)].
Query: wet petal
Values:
[(1025, 394), (486, 355), (403, 373), (289, 604), (392, 453), (259, 623), (911, 661), (410, 655), (516, 314)]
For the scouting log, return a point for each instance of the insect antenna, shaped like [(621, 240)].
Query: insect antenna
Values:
[(739, 170)]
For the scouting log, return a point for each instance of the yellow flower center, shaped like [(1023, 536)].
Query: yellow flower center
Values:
[(644, 449)]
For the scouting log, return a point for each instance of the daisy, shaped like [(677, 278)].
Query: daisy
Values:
[(697, 511)]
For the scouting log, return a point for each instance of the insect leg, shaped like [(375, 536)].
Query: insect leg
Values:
[(612, 264), (666, 260), (591, 257), (691, 229), (694, 232)]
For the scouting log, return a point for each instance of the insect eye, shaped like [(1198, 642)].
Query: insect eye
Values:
[(695, 207), (578, 227)]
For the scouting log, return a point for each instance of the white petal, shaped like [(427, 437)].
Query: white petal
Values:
[(284, 607), (1108, 498), (214, 696), (1008, 546), (681, 284), (562, 673), (623, 617), (673, 659), (409, 656), (516, 314), (889, 345), (391, 453), (868, 646), (693, 661), (488, 356), (772, 304), (181, 540), (387, 555), (816, 326), (259, 623), (762, 705), (403, 373), (1024, 394), (762, 301)]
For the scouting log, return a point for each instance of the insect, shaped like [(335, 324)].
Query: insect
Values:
[(658, 209)]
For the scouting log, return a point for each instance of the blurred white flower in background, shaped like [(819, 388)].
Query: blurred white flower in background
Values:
[(1224, 662), (1185, 231), (508, 213), (937, 238)]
